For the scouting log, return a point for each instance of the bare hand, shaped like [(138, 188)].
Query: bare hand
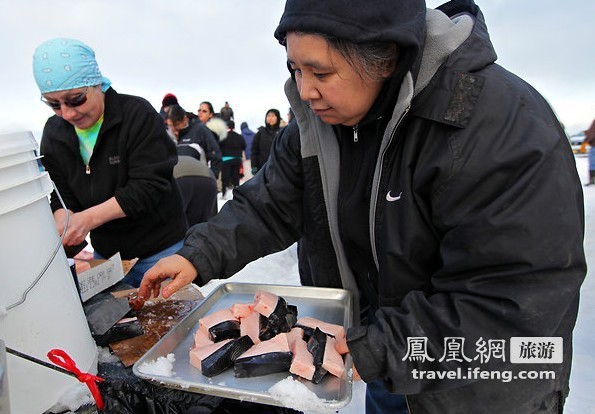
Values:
[(60, 219), (79, 227), (174, 267)]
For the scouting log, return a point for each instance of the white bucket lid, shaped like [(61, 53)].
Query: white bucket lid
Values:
[(18, 172), (19, 195), (19, 158), (17, 142)]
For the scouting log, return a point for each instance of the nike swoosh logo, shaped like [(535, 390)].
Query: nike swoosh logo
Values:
[(391, 198)]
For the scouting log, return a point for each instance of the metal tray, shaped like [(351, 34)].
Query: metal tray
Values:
[(329, 305)]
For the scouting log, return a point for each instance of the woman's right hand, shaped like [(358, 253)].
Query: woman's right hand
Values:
[(175, 267), (78, 226), (60, 219)]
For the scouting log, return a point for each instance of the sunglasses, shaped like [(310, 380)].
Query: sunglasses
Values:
[(73, 102)]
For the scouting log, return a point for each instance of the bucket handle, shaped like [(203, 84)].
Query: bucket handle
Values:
[(52, 257)]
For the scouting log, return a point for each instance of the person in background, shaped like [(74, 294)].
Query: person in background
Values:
[(232, 151), (168, 100), (207, 116), (195, 140), (205, 112), (226, 113), (111, 161), (248, 135), (263, 140), (198, 187), (456, 227), (590, 140)]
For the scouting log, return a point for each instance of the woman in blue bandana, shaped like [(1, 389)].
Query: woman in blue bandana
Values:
[(110, 158)]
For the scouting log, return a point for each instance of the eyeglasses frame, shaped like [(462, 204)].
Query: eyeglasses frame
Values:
[(57, 105)]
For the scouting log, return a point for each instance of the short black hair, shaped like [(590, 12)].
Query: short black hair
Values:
[(176, 113)]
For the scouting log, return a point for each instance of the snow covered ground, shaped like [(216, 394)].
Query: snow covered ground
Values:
[(582, 380), (281, 268)]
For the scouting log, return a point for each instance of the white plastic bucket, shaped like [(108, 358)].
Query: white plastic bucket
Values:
[(18, 171), (17, 147), (4, 406), (51, 315), (18, 158)]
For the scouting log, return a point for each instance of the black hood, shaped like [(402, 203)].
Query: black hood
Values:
[(399, 21)]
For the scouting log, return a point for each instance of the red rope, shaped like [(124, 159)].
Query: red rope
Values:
[(62, 359)]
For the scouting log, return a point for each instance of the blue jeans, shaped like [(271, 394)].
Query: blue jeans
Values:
[(135, 275), (380, 401)]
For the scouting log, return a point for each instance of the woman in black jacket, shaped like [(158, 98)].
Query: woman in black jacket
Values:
[(263, 140), (232, 151), (435, 186), (110, 158)]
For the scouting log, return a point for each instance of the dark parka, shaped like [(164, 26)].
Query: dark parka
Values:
[(198, 133), (133, 160), (263, 141), (475, 217)]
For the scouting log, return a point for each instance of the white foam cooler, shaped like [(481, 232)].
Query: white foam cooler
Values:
[(51, 315)]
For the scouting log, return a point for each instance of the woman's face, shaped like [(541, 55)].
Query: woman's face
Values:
[(271, 119), (334, 90), (204, 113), (85, 115)]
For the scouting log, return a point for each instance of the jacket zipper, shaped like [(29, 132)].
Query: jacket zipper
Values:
[(87, 169), (355, 137), (372, 230)]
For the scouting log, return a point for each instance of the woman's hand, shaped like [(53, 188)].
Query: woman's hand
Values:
[(174, 267), (79, 226), (60, 219)]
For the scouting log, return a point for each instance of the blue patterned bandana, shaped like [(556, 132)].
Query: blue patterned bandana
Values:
[(63, 64)]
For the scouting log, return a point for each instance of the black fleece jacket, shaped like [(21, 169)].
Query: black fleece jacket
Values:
[(133, 160)]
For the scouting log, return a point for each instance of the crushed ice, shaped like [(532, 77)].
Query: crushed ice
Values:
[(293, 394), (163, 366)]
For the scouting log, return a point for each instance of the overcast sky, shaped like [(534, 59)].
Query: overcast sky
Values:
[(225, 51)]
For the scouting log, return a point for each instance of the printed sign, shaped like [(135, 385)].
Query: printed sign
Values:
[(100, 277)]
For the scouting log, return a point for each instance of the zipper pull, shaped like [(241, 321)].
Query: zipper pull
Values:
[(87, 170), (355, 138)]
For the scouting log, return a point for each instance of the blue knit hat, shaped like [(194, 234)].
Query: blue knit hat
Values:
[(61, 64)]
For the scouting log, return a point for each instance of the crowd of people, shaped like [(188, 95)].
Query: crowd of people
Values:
[(238, 151), (435, 186), (211, 139)]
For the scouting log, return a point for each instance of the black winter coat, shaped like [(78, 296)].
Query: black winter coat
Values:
[(261, 145), (476, 225), (133, 160), (198, 134), (233, 145)]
